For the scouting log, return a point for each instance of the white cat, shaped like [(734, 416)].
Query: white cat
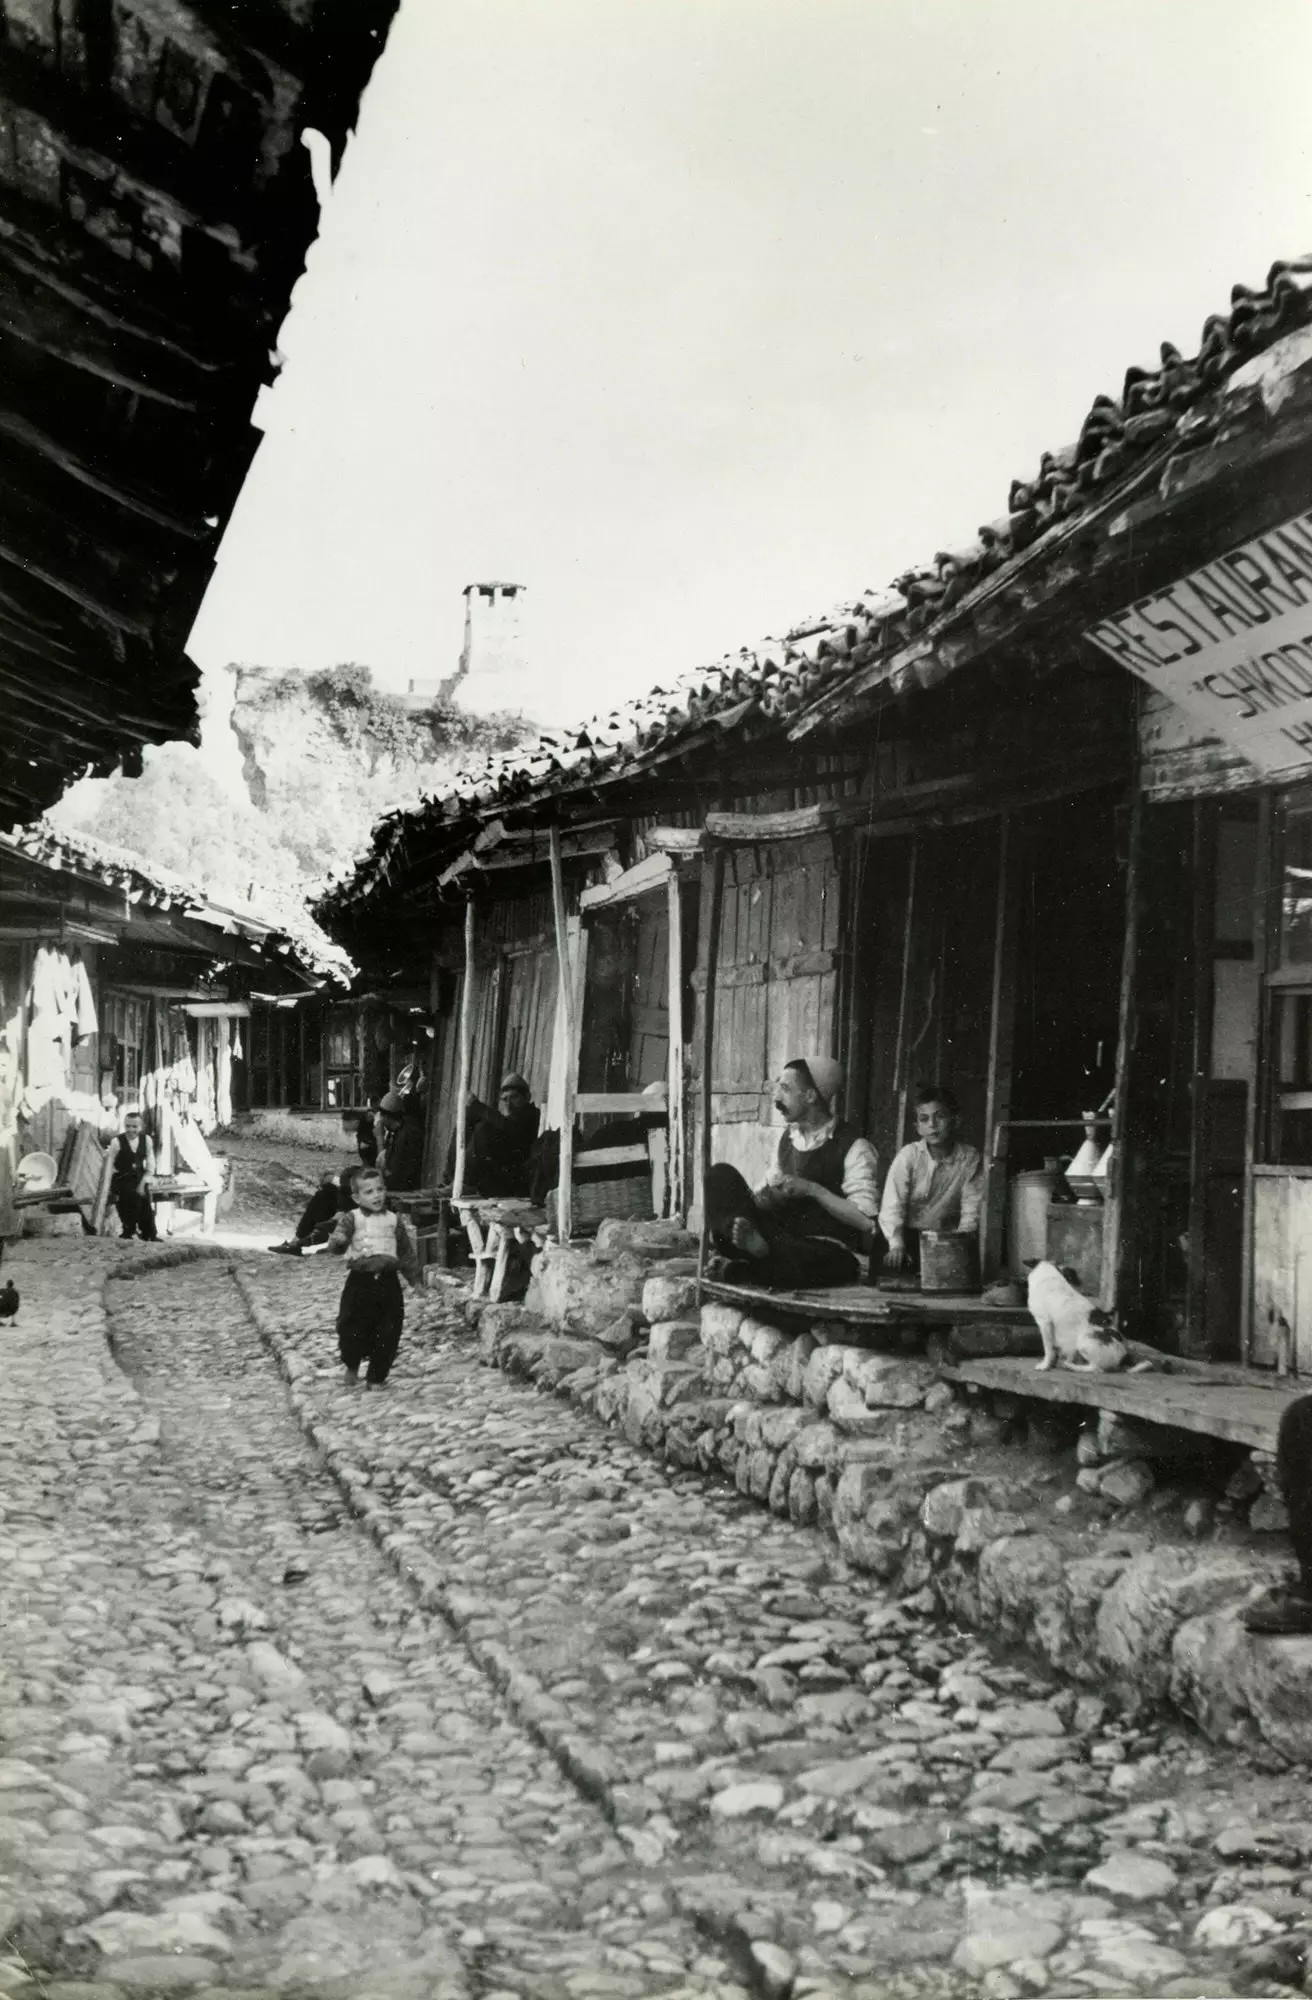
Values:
[(1075, 1331)]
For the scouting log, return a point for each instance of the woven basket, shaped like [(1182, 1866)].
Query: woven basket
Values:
[(624, 1200)]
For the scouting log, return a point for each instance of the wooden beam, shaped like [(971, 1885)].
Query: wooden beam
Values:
[(1212, 1406), (1202, 889), (466, 1055), (748, 829), (1266, 934), (565, 1178), (521, 850), (901, 1081), (1002, 1023), (641, 880), (1117, 1238), (633, 1101), (674, 1160), (708, 1039), (675, 839)]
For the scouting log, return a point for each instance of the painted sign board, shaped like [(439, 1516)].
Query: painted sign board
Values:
[(1232, 646)]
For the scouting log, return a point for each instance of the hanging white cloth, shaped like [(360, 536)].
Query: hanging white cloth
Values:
[(84, 1003), (49, 1031)]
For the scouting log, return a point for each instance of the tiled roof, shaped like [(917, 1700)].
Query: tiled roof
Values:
[(771, 683), (289, 934)]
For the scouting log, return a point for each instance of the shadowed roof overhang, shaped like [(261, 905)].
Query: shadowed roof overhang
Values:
[(156, 206)]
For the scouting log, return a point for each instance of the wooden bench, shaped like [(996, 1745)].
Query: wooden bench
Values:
[(494, 1229), (188, 1191), (1242, 1405)]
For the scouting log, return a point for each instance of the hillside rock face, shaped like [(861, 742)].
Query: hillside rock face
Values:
[(291, 774), (325, 755)]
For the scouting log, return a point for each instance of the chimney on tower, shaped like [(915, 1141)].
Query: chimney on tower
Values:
[(493, 672)]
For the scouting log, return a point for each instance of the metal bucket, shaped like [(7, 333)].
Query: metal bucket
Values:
[(949, 1261)]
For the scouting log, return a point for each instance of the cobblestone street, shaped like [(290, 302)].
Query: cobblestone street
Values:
[(452, 1691)]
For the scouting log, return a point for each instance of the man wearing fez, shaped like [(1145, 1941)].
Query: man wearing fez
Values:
[(813, 1220), (498, 1143)]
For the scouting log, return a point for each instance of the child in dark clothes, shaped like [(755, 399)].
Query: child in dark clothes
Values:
[(379, 1249), (134, 1163)]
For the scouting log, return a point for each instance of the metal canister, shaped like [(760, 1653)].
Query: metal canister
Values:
[(949, 1260)]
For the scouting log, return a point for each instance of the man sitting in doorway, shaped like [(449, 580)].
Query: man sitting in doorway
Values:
[(499, 1143), (334, 1196), (813, 1220), (934, 1183)]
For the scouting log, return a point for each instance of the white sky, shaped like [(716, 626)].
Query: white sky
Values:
[(698, 316)]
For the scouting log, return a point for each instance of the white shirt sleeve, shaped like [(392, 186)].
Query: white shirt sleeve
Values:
[(972, 1195), (861, 1177), (897, 1192)]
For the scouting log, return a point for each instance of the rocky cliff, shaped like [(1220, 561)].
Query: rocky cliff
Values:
[(292, 772), (325, 754)]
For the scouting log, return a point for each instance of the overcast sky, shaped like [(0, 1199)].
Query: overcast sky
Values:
[(699, 316)]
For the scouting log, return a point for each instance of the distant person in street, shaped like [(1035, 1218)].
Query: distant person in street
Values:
[(499, 1142), (378, 1248), (936, 1182), (333, 1196), (401, 1150), (366, 1137), (130, 1177), (812, 1221)]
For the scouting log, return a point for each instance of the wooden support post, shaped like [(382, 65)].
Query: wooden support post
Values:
[(674, 1146), (1117, 1239), (565, 1179), (1203, 891), (1266, 932), (901, 1067), (1002, 1023), (466, 1052), (708, 1040)]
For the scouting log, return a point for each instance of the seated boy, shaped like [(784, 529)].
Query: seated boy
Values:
[(936, 1182)]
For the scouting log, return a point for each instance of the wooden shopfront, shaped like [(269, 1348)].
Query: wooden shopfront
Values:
[(1219, 1261)]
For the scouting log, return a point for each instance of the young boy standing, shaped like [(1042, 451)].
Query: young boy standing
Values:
[(134, 1163), (378, 1248)]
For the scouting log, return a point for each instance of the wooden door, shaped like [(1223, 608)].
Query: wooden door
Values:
[(530, 1013), (649, 1000), (776, 987), (1227, 992)]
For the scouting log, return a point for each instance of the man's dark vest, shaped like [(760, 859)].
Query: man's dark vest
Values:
[(824, 1163)]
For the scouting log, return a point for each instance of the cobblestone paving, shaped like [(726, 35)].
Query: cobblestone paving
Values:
[(883, 1804), (241, 1752), (235, 1756)]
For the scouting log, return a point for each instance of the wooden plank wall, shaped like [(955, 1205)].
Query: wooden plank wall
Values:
[(530, 1016), (777, 986), (649, 1010)]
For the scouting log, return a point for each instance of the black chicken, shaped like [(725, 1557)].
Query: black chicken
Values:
[(8, 1299)]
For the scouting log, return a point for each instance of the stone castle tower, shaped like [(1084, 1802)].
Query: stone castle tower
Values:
[(494, 672)]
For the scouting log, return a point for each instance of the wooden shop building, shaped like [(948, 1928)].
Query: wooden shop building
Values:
[(1036, 824)]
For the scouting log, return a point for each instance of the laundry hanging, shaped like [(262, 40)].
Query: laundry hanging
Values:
[(85, 1023)]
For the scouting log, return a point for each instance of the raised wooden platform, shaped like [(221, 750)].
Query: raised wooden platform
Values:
[(865, 1305), (1243, 1405)]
